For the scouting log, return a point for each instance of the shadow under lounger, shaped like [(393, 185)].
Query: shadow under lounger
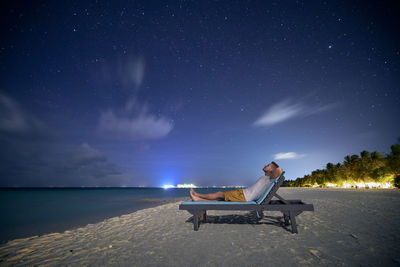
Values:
[(289, 208)]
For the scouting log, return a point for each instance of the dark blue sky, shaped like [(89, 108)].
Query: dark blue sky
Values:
[(146, 93)]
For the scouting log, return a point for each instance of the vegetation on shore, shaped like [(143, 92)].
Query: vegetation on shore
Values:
[(369, 170)]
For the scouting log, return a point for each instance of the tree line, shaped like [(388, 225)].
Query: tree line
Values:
[(366, 167)]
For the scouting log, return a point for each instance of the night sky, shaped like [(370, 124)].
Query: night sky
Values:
[(146, 93)]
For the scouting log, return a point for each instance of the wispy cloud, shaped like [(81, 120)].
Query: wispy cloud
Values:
[(84, 165), (17, 123), (14, 119), (27, 162), (133, 123), (285, 110), (85, 154), (288, 155), (127, 73), (132, 72), (54, 164)]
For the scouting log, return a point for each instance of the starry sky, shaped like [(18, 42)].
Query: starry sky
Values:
[(147, 93)]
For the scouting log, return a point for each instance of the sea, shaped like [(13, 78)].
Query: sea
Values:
[(28, 212)]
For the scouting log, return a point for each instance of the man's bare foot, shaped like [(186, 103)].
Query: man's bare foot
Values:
[(193, 192), (193, 196)]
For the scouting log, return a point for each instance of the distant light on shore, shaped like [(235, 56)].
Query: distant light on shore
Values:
[(346, 185), (331, 185), (366, 185), (186, 186), (167, 186)]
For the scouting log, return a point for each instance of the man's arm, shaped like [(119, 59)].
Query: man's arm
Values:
[(277, 172)]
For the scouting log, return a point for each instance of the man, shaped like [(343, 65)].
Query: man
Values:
[(251, 193)]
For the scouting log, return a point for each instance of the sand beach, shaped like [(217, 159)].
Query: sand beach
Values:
[(348, 228)]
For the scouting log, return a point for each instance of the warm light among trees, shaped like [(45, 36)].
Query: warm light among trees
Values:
[(369, 170)]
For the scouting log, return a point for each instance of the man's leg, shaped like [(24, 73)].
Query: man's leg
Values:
[(206, 197), (210, 196)]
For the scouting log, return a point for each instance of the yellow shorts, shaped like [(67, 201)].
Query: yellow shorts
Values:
[(234, 195)]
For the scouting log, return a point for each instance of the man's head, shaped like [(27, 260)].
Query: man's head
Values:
[(272, 169)]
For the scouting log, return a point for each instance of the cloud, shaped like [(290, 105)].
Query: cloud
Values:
[(135, 71), (285, 110), (288, 155), (85, 166), (279, 112), (133, 123), (52, 164), (14, 120), (32, 155), (85, 154), (124, 73)]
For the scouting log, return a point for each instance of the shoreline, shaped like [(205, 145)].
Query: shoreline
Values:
[(71, 225)]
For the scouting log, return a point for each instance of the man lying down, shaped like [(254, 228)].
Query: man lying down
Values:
[(251, 193)]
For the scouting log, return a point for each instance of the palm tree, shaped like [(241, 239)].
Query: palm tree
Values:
[(365, 154), (376, 155)]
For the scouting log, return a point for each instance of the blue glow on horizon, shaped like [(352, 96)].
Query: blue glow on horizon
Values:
[(168, 179)]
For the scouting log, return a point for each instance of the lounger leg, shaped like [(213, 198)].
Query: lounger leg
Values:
[(286, 218), (204, 215), (293, 221), (196, 221), (259, 214)]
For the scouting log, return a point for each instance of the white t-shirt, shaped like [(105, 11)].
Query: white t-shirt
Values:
[(256, 190)]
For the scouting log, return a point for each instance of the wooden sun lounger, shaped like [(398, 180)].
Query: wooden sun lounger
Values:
[(289, 208)]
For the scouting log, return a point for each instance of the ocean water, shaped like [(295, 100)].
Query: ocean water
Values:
[(37, 211)]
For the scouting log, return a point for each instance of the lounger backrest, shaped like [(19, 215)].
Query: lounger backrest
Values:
[(271, 189)]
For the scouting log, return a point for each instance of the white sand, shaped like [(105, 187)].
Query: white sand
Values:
[(347, 228)]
